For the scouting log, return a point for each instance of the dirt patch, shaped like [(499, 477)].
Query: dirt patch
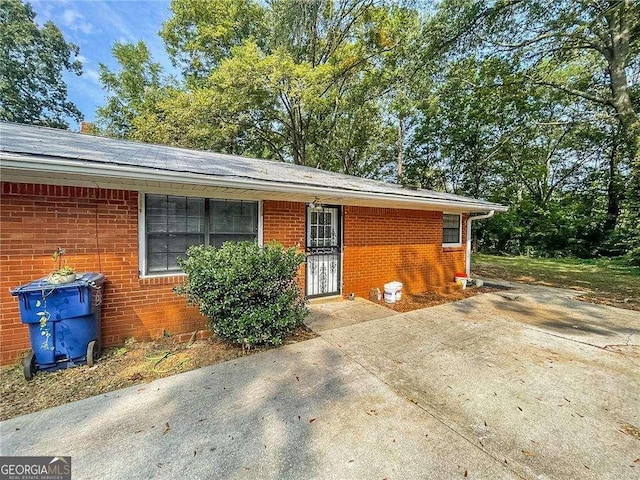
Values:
[(410, 302), (132, 364)]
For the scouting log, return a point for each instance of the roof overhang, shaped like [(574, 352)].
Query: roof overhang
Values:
[(27, 168)]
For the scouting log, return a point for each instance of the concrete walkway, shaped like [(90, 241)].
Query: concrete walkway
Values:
[(335, 313), (526, 383), (303, 411)]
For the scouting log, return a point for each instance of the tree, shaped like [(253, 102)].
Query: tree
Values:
[(201, 33), (563, 128), (32, 62), (133, 90), (309, 90), (602, 37), (605, 35)]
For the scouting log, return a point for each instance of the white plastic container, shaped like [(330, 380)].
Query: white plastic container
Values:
[(462, 281), (392, 292)]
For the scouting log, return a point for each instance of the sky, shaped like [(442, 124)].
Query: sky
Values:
[(95, 25)]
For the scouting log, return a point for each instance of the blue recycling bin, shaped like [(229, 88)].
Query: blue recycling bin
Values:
[(63, 321)]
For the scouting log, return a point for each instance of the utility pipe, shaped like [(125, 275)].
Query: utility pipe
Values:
[(469, 220)]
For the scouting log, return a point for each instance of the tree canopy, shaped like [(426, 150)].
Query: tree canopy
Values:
[(524, 102), (536, 104), (32, 62)]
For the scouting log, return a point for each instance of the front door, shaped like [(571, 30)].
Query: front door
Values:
[(324, 250)]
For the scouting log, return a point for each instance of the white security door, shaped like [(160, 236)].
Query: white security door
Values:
[(324, 251)]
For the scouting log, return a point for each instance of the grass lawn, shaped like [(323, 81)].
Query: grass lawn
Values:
[(603, 281)]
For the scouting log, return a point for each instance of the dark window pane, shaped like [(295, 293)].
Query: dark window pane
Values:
[(156, 202), (157, 262), (451, 221), (451, 236), (195, 224), (174, 223), (156, 224), (232, 216), (172, 261), (450, 228), (156, 243), (195, 207)]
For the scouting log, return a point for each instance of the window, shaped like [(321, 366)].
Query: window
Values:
[(174, 223), (451, 229)]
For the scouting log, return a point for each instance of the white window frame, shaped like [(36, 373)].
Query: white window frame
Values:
[(142, 233), (459, 242)]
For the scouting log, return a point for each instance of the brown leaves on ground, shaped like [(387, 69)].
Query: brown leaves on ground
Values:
[(630, 430), (410, 302), (118, 367)]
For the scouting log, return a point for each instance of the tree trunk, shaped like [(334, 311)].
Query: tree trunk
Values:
[(624, 108), (616, 56), (613, 191)]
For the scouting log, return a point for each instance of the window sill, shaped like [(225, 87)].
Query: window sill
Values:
[(170, 279), (452, 247)]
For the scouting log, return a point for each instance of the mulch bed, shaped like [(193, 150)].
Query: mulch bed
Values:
[(132, 364), (410, 302)]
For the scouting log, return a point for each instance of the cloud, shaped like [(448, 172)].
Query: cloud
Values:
[(92, 74), (75, 21), (123, 27)]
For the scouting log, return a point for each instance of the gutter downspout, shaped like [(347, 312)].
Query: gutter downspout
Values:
[(469, 220)]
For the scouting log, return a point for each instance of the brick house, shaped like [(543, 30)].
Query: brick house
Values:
[(130, 209)]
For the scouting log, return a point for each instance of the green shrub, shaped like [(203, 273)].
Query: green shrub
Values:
[(633, 257), (250, 294)]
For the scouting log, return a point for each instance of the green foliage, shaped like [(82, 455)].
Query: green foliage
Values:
[(133, 91), (302, 82), (531, 107), (201, 33), (528, 103), (250, 294), (32, 62)]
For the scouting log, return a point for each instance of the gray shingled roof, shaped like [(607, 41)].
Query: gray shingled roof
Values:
[(50, 144)]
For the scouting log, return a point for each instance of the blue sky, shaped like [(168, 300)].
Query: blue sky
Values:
[(95, 25)]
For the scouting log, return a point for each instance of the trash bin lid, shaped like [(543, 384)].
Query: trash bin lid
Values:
[(82, 280)]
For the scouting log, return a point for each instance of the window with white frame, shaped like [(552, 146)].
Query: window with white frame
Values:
[(451, 229), (174, 223)]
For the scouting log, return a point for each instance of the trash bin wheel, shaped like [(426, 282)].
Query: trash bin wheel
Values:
[(29, 366), (91, 353)]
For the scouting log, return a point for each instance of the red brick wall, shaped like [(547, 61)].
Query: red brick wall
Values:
[(284, 222), (380, 245), (383, 244), (35, 219)]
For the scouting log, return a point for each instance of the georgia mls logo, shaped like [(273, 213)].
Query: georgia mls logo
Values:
[(35, 468), (59, 459)]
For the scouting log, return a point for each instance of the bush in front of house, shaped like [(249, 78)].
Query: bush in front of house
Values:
[(250, 294)]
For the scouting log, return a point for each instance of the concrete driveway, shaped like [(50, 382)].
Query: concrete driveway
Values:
[(526, 383)]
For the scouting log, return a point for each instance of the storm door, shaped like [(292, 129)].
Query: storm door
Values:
[(324, 250)]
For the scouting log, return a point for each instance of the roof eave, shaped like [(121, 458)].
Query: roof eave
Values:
[(31, 163)]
